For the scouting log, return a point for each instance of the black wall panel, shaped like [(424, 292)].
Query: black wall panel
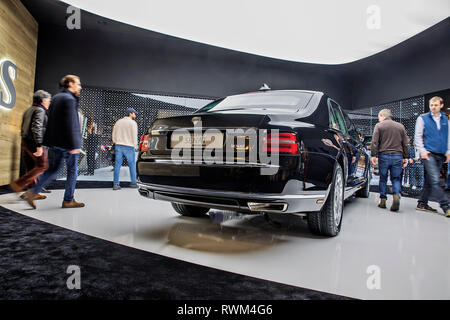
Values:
[(417, 66), (139, 62)]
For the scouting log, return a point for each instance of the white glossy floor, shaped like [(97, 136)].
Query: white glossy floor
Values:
[(411, 248), (105, 174)]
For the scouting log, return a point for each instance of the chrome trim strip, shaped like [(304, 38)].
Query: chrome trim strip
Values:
[(234, 164), (227, 194), (296, 204), (351, 190)]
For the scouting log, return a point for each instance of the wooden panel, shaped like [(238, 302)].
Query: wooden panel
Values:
[(18, 43)]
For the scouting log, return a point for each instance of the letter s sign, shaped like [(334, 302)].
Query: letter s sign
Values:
[(8, 72)]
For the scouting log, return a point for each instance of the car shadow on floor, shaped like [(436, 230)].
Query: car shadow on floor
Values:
[(232, 232)]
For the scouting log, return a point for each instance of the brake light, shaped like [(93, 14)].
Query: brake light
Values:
[(287, 143), (143, 144)]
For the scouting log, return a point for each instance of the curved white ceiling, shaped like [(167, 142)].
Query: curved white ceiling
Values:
[(315, 31)]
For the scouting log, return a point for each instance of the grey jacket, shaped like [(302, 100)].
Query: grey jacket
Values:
[(34, 123)]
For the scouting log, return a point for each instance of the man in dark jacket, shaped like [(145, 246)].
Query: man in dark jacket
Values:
[(34, 122), (63, 137)]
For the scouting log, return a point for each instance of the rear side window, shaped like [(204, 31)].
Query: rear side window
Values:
[(338, 116), (351, 128), (348, 122), (333, 121)]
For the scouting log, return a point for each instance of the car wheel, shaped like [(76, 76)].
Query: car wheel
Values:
[(327, 222), (365, 191), (190, 211)]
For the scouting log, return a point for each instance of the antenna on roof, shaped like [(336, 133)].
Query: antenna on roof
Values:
[(265, 87)]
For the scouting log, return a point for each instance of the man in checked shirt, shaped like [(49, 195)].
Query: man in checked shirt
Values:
[(432, 138)]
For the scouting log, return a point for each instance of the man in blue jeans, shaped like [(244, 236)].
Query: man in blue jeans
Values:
[(63, 137), (390, 149), (433, 143), (124, 136)]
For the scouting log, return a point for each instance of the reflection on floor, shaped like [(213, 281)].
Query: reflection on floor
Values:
[(409, 250), (104, 174)]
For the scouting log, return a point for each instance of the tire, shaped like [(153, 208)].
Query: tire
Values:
[(365, 191), (328, 221), (190, 211)]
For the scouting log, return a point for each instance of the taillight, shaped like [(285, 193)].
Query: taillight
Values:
[(281, 143), (143, 144)]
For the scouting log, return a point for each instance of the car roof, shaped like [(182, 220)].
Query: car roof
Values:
[(284, 90)]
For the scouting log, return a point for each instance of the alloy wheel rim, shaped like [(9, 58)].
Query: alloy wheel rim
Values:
[(337, 199)]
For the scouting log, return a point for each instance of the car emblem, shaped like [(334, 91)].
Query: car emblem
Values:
[(195, 120)]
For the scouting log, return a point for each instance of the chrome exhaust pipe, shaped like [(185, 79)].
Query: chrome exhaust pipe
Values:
[(267, 207), (144, 192)]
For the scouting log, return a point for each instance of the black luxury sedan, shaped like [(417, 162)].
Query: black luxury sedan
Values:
[(278, 151)]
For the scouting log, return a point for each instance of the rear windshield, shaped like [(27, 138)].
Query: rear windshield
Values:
[(280, 101)]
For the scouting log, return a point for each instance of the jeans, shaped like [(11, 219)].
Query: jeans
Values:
[(54, 165), (127, 152), (432, 184), (391, 162)]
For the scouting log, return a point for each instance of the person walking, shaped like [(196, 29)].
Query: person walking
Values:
[(34, 154), (390, 150), (63, 137), (417, 174), (93, 142), (124, 137), (433, 142), (447, 179), (407, 172)]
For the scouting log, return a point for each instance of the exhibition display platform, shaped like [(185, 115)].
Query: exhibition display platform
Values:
[(377, 255)]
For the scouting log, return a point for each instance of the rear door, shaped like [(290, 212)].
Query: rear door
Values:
[(358, 166), (348, 143)]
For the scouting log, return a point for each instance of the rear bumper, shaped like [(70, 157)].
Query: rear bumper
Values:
[(244, 202)]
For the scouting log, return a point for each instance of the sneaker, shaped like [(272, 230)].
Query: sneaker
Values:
[(382, 203), (425, 207), (134, 186), (116, 187), (45, 191), (395, 203), (447, 213), (72, 204)]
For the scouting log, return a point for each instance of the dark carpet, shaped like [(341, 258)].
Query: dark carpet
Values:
[(34, 257)]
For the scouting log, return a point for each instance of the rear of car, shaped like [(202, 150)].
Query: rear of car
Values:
[(240, 126)]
